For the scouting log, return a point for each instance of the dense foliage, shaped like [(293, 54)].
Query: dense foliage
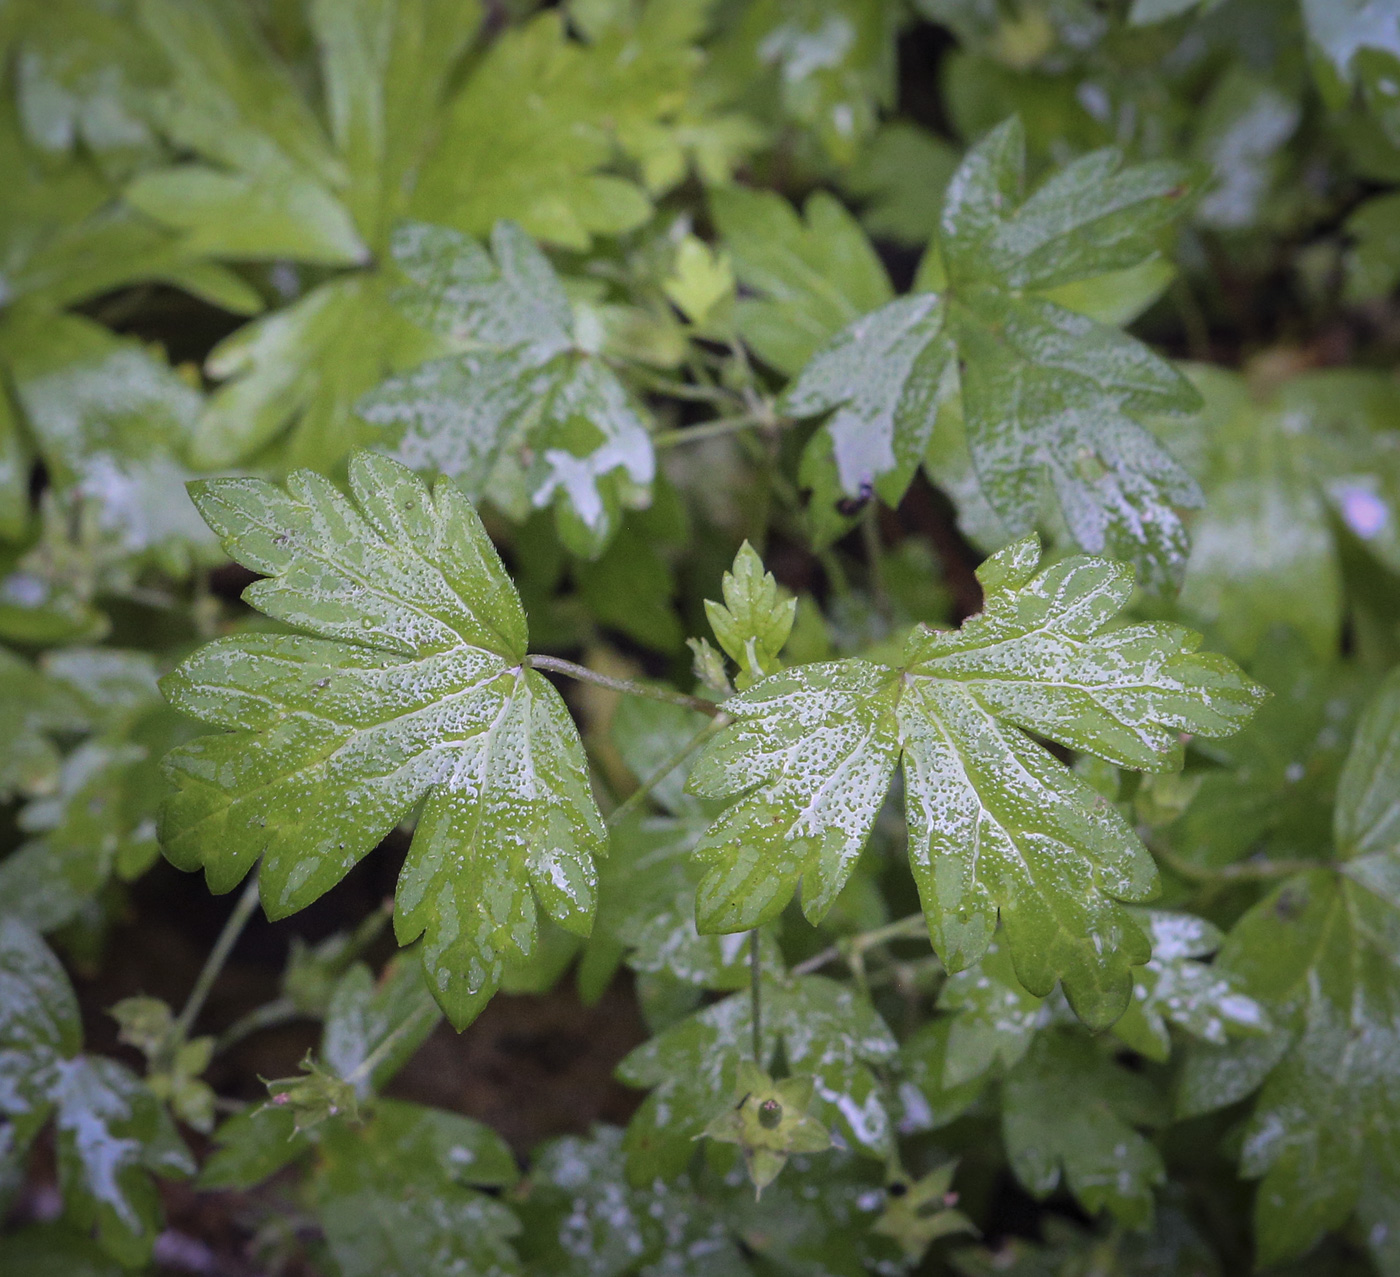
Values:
[(870, 526)]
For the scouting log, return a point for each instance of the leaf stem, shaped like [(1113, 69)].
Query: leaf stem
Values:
[(714, 429), (1259, 870), (755, 997), (853, 948), (364, 1070), (278, 1011), (214, 963), (585, 675), (638, 795), (660, 385)]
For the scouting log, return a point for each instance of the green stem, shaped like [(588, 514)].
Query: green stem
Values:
[(638, 795), (1247, 871), (874, 558), (716, 428), (627, 685), (364, 1070), (853, 948), (755, 985), (214, 963), (683, 389), (278, 1011)]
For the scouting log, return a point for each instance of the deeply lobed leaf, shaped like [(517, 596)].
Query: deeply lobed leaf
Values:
[(411, 686), (998, 826), (1045, 393)]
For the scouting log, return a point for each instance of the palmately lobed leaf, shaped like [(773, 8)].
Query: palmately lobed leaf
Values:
[(1046, 394), (1320, 952), (412, 686), (998, 826), (524, 414)]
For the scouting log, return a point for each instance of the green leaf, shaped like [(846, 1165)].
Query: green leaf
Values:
[(825, 65), (413, 688), (112, 1135), (1172, 1247), (1373, 264), (997, 824), (62, 241), (812, 277), (291, 379), (1273, 790), (1207, 1003), (365, 1013), (1320, 952), (51, 1250), (812, 749), (394, 1200), (926, 1101), (900, 178), (39, 1027), (526, 415), (582, 1218), (1338, 30), (1280, 469), (34, 709), (386, 66), (269, 187), (98, 817), (1045, 393), (997, 1019), (1242, 128), (825, 1030), (111, 1131), (753, 622), (252, 1146), (1068, 1107), (538, 119), (112, 424), (83, 77)]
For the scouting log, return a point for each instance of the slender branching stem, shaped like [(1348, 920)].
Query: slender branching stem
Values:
[(629, 686), (853, 948), (639, 795), (755, 997), (720, 426), (874, 557), (214, 963), (1257, 870), (364, 1070), (278, 1011)]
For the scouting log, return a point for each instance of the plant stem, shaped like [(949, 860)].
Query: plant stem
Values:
[(638, 795), (1246, 871), (364, 1070), (716, 428), (632, 688), (755, 983), (214, 963), (853, 948), (874, 557), (683, 389), (278, 1011)]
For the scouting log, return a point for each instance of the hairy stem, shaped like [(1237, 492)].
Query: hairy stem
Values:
[(214, 963), (585, 675), (639, 795)]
